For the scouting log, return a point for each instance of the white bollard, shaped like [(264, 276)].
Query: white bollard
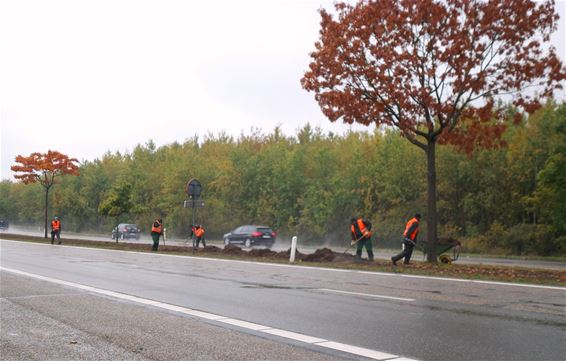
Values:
[(293, 248)]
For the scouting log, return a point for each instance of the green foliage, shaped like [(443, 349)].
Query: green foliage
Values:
[(507, 200), (118, 201)]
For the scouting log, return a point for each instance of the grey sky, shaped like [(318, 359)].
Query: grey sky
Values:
[(86, 77)]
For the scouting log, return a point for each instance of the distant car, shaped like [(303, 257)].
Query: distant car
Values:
[(126, 231), (4, 225), (251, 235)]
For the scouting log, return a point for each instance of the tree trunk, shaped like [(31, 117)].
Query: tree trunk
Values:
[(45, 210), (431, 232)]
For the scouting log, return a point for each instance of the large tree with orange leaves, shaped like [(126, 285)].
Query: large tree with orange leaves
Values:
[(435, 70), (44, 168)]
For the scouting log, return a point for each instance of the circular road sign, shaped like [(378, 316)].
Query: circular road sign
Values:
[(193, 189)]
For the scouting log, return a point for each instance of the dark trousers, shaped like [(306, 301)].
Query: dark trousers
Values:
[(55, 233), (155, 237), (406, 253), (201, 239), (365, 242)]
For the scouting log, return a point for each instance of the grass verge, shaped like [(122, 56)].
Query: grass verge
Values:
[(330, 259)]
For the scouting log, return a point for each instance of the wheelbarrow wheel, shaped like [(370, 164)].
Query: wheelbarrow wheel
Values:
[(445, 259)]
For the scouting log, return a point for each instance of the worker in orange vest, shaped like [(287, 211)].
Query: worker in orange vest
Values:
[(156, 232), (409, 240), (56, 230), (361, 234), (198, 231)]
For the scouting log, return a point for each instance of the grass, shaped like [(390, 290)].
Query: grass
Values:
[(455, 270)]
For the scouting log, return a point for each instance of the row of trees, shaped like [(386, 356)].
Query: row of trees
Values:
[(509, 199)]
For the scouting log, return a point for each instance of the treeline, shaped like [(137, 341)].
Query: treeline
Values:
[(509, 200)]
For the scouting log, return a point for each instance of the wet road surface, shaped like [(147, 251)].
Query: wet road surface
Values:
[(407, 316)]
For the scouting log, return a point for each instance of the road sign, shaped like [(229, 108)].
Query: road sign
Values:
[(193, 189), (193, 203)]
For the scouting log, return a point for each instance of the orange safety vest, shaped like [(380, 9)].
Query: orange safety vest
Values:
[(199, 232), (363, 229), (413, 235), (156, 229), (55, 225)]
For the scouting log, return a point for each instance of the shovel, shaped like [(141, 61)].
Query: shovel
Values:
[(352, 245)]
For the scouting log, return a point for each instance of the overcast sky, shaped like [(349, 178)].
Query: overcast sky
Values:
[(87, 77)]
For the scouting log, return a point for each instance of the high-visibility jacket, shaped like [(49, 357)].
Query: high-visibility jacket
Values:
[(157, 227), (55, 224), (412, 229), (363, 230), (199, 232)]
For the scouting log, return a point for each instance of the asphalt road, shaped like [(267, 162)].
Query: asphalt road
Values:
[(393, 316)]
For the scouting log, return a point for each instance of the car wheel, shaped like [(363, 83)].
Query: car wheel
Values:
[(248, 243), (226, 241)]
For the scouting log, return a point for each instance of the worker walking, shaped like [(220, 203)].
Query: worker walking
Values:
[(198, 231), (56, 230), (409, 240), (361, 234), (156, 232)]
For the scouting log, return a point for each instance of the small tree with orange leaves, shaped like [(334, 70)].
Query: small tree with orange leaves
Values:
[(434, 69), (44, 168)]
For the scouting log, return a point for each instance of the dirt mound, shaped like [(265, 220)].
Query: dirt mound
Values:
[(341, 257), (262, 252), (230, 249), (321, 255), (212, 249), (287, 254)]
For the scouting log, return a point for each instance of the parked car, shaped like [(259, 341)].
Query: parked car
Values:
[(4, 225), (126, 231), (251, 235)]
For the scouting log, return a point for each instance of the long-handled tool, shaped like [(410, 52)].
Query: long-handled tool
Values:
[(353, 244)]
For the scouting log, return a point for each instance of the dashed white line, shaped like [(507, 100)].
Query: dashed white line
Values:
[(355, 350), (368, 295)]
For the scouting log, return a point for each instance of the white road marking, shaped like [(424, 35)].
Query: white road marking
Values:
[(359, 351), (294, 335), (368, 295), (205, 259), (244, 324)]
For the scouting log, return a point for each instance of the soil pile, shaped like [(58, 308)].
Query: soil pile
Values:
[(262, 252), (321, 255), (232, 250)]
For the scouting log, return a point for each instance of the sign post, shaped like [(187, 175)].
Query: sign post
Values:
[(193, 190)]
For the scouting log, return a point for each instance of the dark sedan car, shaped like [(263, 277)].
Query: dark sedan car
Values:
[(250, 235), (125, 231), (4, 225)]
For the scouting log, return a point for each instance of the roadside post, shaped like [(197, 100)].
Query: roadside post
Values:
[(193, 190), (293, 248)]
